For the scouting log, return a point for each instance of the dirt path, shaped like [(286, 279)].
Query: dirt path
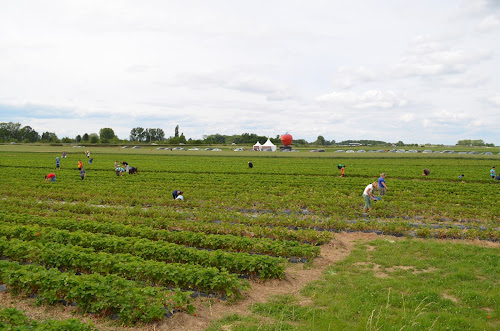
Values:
[(296, 278)]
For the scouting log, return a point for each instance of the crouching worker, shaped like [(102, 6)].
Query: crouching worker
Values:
[(177, 195), (368, 196), (83, 174), (119, 171), (50, 177)]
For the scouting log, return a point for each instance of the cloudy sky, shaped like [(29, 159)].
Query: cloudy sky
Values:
[(418, 71)]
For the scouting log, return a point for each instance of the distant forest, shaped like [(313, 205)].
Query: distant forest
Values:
[(14, 132)]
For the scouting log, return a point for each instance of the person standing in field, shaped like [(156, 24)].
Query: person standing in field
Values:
[(83, 174), (57, 162), (492, 172), (177, 194), (50, 177), (382, 186), (80, 165), (368, 196), (64, 155)]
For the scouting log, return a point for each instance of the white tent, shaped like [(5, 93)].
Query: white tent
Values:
[(257, 146), (268, 146)]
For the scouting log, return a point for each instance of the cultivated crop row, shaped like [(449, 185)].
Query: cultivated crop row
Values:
[(263, 266)]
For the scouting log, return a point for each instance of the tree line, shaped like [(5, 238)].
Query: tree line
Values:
[(13, 132)]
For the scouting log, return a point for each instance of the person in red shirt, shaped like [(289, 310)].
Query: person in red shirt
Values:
[(80, 164), (50, 177)]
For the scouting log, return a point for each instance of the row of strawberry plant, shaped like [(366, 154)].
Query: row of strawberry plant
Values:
[(189, 238), (156, 219), (154, 273), (263, 266), (92, 293), (14, 319)]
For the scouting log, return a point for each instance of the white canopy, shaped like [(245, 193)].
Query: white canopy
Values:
[(257, 146), (268, 146)]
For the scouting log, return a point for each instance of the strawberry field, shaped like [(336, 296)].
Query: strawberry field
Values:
[(121, 247)]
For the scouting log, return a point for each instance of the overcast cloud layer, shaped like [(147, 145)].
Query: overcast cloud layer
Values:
[(417, 71)]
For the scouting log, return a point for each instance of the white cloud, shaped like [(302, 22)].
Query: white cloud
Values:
[(489, 23), (495, 100), (433, 57), (368, 99), (346, 77), (407, 117)]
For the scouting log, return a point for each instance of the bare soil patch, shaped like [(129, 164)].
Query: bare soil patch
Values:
[(450, 297)]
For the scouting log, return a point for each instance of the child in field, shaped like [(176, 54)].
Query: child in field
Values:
[(382, 186), (119, 171), (342, 169), (368, 196), (50, 177), (57, 162), (64, 155), (83, 174), (492, 172)]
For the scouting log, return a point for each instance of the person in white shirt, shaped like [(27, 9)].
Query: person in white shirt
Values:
[(368, 196)]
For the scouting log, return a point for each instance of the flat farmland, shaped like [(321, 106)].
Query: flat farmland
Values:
[(121, 251)]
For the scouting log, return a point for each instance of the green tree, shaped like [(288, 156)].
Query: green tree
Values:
[(85, 137), (78, 139), (176, 131), (49, 137), (106, 134), (94, 138), (28, 134), (9, 131), (137, 134), (320, 141), (155, 134), (215, 139)]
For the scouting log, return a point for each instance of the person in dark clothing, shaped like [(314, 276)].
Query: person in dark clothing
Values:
[(250, 165), (176, 194)]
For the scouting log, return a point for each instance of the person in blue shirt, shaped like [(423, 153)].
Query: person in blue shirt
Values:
[(83, 174), (57, 162), (492, 172), (382, 186)]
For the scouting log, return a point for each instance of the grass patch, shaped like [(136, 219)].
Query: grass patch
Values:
[(395, 285)]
